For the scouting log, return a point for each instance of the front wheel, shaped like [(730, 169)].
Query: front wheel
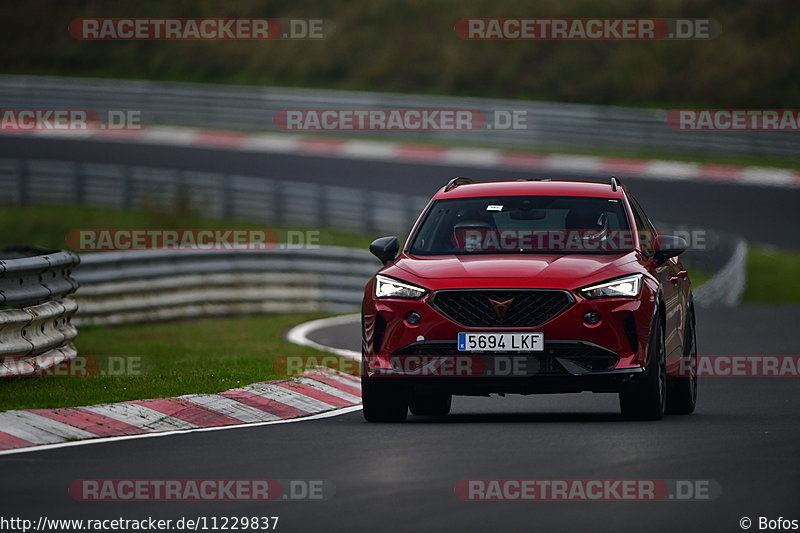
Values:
[(646, 399), (383, 401), (682, 390)]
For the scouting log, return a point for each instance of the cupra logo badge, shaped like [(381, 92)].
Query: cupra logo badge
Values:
[(501, 308)]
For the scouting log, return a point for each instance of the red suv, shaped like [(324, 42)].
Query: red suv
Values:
[(529, 286)]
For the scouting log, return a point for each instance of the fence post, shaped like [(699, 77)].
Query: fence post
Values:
[(278, 205), (322, 205), (226, 192), (369, 212), (77, 183), (22, 182), (127, 187)]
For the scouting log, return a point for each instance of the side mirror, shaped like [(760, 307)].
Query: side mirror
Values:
[(668, 246), (385, 249)]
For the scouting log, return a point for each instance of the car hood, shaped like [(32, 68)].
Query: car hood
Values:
[(554, 268)]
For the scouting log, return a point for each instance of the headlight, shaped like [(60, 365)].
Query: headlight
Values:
[(627, 286), (392, 288)]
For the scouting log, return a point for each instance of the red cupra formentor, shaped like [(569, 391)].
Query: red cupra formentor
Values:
[(529, 286)]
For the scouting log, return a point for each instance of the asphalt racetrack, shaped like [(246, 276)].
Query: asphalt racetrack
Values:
[(401, 477)]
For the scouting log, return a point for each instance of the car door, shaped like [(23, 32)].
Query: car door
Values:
[(670, 278)]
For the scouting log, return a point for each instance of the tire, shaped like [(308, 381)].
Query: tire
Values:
[(382, 401), (682, 391), (646, 399), (430, 404)]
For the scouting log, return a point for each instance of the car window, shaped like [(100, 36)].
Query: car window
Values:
[(646, 229), (518, 224)]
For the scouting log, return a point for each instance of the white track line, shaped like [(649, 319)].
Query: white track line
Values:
[(671, 170), (369, 150), (299, 334), (473, 157), (767, 176), (169, 135)]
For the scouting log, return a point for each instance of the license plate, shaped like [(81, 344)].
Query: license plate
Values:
[(500, 342)]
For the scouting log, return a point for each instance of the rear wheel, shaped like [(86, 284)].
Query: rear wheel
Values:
[(646, 399), (383, 400), (430, 404), (682, 390)]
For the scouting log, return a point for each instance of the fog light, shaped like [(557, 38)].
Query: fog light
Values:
[(413, 318), (591, 317)]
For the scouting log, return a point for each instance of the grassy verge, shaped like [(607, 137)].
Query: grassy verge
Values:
[(699, 278), (773, 276), (203, 356), (48, 225)]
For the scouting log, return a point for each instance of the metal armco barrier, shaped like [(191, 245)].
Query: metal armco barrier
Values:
[(259, 200), (727, 286), (36, 329), (547, 124), (150, 286)]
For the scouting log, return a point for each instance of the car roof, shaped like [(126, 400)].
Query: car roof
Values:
[(538, 187)]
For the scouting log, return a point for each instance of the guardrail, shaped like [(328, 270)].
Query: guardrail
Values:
[(149, 286), (36, 329), (727, 286), (548, 125), (256, 199)]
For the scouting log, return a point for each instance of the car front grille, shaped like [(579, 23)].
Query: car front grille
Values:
[(501, 308)]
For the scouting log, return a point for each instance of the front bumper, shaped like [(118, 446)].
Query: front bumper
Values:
[(563, 366), (623, 331), (611, 381)]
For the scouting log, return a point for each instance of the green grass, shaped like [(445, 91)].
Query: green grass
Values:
[(202, 356), (48, 226), (699, 278), (773, 276)]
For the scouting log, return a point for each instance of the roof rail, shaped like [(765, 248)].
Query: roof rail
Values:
[(455, 182), (615, 183)]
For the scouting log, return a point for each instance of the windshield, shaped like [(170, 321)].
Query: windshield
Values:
[(524, 224)]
